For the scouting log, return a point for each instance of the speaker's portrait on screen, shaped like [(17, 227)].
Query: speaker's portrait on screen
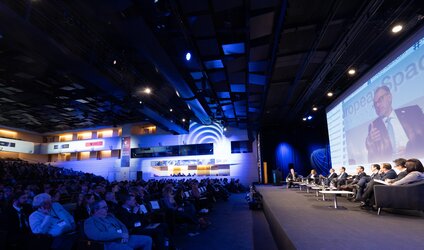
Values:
[(395, 132)]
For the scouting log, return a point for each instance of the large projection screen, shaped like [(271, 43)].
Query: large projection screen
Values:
[(380, 118)]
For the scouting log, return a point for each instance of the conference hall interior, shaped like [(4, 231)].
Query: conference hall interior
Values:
[(211, 124)]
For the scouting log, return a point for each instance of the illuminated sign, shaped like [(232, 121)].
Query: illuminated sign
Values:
[(94, 144)]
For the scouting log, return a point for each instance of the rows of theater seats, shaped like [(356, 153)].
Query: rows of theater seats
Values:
[(77, 192)]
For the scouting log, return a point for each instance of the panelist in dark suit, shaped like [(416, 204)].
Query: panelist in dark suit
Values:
[(395, 132), (327, 180), (401, 167), (363, 182), (386, 173), (341, 177), (291, 177)]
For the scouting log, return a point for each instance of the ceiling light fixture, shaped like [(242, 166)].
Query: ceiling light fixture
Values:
[(397, 28), (330, 94), (351, 72), (188, 56)]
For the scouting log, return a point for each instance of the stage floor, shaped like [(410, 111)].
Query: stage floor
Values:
[(300, 220)]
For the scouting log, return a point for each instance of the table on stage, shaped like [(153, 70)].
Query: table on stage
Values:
[(335, 193)]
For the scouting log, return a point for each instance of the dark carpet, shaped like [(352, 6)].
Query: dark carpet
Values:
[(234, 226), (302, 221)]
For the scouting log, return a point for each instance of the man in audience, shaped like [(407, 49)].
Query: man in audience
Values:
[(368, 197), (102, 226), (53, 220), (132, 217), (15, 222)]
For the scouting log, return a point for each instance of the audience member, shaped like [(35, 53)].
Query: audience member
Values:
[(102, 226)]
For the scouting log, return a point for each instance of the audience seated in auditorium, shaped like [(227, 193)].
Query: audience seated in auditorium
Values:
[(102, 226), (291, 177), (52, 219), (133, 218), (14, 221), (83, 209)]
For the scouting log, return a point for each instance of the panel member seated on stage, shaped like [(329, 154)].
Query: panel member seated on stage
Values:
[(291, 177), (386, 172), (401, 168), (360, 173), (362, 183), (341, 178), (327, 180), (415, 173), (313, 177)]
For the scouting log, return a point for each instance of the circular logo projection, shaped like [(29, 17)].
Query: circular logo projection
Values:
[(199, 134)]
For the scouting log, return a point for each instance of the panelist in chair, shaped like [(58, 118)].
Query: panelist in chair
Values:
[(327, 180), (395, 132), (291, 177)]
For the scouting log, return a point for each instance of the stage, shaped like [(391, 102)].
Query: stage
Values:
[(300, 220)]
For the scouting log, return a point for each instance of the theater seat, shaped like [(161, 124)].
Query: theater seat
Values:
[(408, 196)]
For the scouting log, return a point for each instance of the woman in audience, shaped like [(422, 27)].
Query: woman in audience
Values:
[(83, 210), (186, 212)]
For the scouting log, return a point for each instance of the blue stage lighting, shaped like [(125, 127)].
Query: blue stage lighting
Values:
[(188, 56)]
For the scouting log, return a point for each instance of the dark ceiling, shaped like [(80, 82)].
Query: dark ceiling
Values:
[(69, 64)]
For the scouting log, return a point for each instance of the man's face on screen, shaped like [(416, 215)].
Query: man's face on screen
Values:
[(382, 102)]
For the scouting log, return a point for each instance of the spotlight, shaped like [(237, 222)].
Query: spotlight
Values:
[(397, 28), (310, 117), (183, 120), (114, 62), (304, 118), (351, 72), (225, 128), (178, 94), (141, 102), (188, 56), (314, 108), (330, 94), (170, 110), (147, 90)]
